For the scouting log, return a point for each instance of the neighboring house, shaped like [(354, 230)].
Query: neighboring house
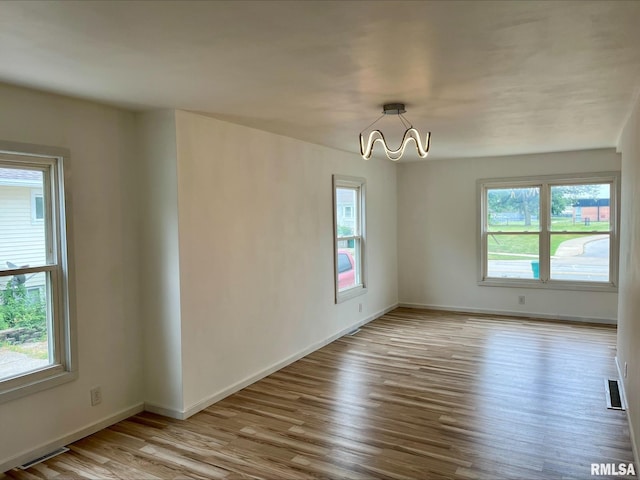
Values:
[(346, 212), (22, 239), (591, 210)]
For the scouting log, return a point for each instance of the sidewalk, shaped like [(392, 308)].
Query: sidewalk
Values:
[(574, 247)]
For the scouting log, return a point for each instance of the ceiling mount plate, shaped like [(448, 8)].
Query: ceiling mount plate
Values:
[(393, 108)]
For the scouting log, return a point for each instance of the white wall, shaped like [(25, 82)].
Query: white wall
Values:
[(159, 262), (101, 141), (629, 295), (256, 250), (437, 236)]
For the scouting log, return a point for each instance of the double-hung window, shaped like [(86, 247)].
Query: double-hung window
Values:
[(36, 325), (349, 236), (550, 232)]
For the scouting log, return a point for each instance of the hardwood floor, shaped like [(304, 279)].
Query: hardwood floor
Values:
[(414, 395)]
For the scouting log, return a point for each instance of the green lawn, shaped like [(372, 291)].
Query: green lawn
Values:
[(526, 246)]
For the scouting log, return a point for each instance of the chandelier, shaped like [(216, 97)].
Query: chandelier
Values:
[(410, 133)]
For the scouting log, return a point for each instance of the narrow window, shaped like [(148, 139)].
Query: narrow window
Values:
[(35, 320), (349, 237)]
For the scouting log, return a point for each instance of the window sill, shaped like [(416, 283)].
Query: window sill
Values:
[(30, 383), (351, 293), (549, 285)]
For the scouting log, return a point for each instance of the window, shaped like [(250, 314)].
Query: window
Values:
[(349, 241), (549, 232), (37, 207), (36, 325)]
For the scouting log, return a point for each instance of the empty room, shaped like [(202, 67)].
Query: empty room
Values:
[(319, 239)]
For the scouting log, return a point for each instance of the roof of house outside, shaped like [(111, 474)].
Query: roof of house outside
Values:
[(592, 202), (20, 177)]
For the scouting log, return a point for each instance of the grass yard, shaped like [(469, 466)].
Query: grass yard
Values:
[(525, 245), (38, 350)]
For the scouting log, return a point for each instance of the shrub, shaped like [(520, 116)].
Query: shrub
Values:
[(19, 309)]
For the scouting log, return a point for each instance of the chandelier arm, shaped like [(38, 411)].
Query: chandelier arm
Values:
[(407, 124), (372, 123)]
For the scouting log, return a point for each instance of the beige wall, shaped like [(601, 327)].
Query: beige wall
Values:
[(101, 141), (256, 250), (438, 231), (629, 296), (159, 263)]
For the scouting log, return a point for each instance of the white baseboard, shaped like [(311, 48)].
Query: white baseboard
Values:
[(216, 397), (623, 394), (48, 447), (164, 411), (510, 313)]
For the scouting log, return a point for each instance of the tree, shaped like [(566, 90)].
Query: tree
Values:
[(525, 201)]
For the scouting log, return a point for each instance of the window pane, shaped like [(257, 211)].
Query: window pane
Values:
[(357, 255), (24, 329), (580, 208), (22, 241), (39, 206), (349, 266), (344, 262), (513, 256), (583, 258), (346, 211), (513, 209)]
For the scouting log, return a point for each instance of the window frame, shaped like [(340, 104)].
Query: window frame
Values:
[(545, 232), (360, 185), (63, 367)]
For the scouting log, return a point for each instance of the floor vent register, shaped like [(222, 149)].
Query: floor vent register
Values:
[(43, 458), (614, 399)]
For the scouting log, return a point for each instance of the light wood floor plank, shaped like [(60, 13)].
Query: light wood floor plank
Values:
[(414, 395)]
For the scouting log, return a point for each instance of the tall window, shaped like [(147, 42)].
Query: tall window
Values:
[(35, 321), (349, 237), (553, 232)]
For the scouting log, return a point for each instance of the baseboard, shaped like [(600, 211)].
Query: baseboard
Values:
[(164, 411), (45, 448), (510, 313), (216, 397), (623, 394)]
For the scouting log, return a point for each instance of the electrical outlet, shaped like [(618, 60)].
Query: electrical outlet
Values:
[(360, 307), (625, 369), (521, 300), (96, 396)]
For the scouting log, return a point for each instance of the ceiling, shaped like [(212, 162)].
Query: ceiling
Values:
[(486, 78)]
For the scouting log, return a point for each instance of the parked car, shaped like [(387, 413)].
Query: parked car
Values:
[(346, 270)]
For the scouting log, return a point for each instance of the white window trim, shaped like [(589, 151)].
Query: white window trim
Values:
[(361, 184), (64, 367), (545, 182)]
